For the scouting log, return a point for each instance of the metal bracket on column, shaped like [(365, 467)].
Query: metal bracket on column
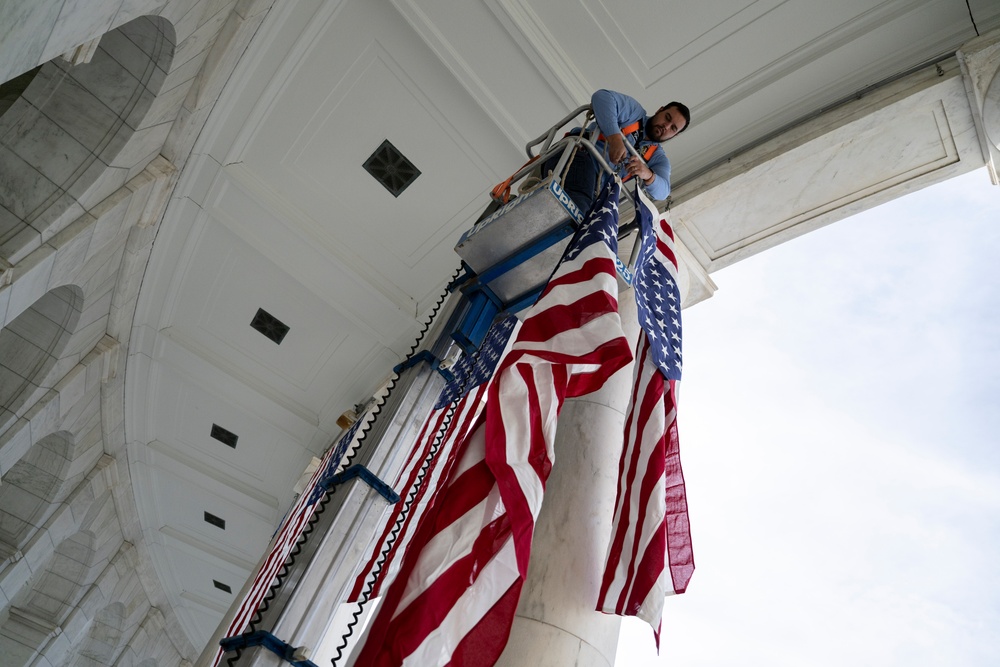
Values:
[(366, 476), (423, 355), (264, 638)]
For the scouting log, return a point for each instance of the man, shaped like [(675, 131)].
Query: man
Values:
[(613, 113)]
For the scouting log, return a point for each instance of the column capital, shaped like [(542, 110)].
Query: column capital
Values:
[(980, 61)]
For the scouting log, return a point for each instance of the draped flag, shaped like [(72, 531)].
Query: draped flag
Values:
[(472, 370), (454, 598), (420, 479), (649, 556), (288, 534)]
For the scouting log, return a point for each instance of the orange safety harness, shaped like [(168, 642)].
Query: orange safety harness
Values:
[(501, 191), (627, 130)]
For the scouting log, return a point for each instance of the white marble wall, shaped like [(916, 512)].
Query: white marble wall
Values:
[(914, 132), (84, 185)]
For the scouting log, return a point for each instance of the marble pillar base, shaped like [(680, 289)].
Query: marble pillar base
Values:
[(556, 623), (542, 645)]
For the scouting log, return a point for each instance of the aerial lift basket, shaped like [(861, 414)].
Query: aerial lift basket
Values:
[(512, 250)]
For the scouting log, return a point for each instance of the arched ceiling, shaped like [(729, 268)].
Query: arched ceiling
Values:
[(275, 212)]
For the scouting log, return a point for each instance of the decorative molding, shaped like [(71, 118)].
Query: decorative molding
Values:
[(204, 601), (541, 46), (6, 273), (108, 469), (463, 71), (35, 623), (695, 283), (83, 53), (110, 351), (247, 72), (165, 176), (303, 226), (204, 547), (913, 133), (227, 480)]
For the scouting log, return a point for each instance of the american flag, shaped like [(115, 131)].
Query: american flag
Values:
[(454, 599), (649, 556), (472, 370), (420, 482), (288, 534), (420, 479)]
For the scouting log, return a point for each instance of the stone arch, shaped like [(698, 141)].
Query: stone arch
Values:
[(104, 637), (36, 615), (60, 138), (31, 344), (31, 490), (65, 579)]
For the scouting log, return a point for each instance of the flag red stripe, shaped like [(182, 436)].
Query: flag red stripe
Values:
[(560, 318), (425, 613), (466, 411), (482, 646), (651, 394), (629, 463), (539, 383), (652, 473), (648, 572), (667, 252), (431, 426)]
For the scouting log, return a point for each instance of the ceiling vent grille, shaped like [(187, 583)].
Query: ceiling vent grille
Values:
[(222, 587), (215, 521), (269, 325), (391, 168), (225, 437)]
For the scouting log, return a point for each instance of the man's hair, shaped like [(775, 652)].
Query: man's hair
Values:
[(684, 112)]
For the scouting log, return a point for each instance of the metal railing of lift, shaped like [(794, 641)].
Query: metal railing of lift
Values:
[(558, 141)]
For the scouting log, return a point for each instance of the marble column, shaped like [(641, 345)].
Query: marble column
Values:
[(556, 624), (980, 62)]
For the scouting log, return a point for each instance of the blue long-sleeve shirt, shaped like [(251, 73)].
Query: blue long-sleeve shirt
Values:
[(613, 111)]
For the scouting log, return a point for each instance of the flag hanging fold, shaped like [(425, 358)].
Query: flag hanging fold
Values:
[(454, 598), (420, 480), (288, 534), (649, 555)]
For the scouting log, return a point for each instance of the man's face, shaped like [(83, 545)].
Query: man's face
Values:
[(665, 123)]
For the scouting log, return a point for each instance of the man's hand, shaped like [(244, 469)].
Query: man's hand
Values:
[(616, 148), (636, 167)]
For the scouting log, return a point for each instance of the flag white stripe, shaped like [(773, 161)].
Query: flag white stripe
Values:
[(465, 413), (498, 575)]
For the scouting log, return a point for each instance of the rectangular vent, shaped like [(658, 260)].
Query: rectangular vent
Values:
[(215, 521), (222, 587), (391, 168), (269, 325), (225, 437)]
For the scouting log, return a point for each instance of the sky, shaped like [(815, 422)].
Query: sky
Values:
[(839, 435)]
